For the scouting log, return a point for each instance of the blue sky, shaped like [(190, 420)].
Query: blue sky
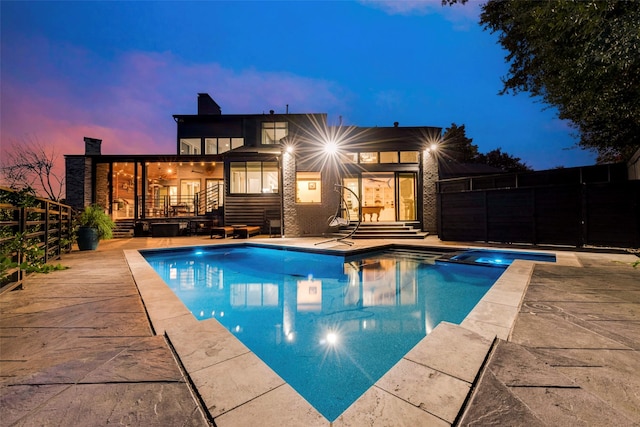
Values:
[(117, 71)]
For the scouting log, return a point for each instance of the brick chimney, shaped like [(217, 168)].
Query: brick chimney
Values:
[(92, 146)]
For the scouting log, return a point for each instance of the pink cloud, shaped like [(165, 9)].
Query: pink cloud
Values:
[(128, 102)]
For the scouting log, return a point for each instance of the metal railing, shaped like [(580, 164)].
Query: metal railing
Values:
[(33, 231), (170, 206)]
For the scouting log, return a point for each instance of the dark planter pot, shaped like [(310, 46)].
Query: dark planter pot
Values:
[(87, 239)]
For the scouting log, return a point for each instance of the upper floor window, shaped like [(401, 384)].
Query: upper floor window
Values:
[(253, 177), (190, 146), (389, 157), (382, 157), (409, 157), (274, 132), (221, 145), (369, 157)]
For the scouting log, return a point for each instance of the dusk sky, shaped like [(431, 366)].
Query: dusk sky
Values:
[(118, 71)]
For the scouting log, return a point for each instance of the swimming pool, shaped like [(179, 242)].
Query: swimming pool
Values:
[(329, 325)]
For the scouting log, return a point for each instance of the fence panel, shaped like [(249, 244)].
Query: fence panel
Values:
[(558, 215), (41, 224), (598, 214), (463, 216), (613, 214), (510, 215)]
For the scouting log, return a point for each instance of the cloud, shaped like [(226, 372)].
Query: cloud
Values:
[(461, 16), (128, 101)]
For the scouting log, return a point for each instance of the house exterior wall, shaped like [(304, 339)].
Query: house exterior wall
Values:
[(92, 178), (304, 220)]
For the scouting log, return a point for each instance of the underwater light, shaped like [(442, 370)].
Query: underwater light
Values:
[(332, 338)]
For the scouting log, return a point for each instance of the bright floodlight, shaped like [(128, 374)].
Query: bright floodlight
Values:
[(331, 147), (289, 149), (434, 147)]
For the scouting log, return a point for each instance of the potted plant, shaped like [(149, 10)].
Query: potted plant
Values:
[(93, 225)]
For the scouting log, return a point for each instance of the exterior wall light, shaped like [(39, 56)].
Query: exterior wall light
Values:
[(331, 147)]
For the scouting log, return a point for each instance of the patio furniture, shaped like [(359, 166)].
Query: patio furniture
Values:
[(165, 229), (221, 232), (200, 226), (246, 231)]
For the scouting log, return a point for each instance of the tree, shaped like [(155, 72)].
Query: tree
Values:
[(31, 165), (504, 161), (457, 147), (580, 57)]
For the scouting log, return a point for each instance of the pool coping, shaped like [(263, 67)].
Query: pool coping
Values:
[(428, 386)]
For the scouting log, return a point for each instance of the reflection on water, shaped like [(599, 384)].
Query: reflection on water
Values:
[(329, 326)]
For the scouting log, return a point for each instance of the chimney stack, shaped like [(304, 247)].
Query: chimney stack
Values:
[(92, 146), (207, 106)]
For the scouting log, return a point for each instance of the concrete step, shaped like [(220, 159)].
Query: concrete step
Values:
[(390, 230)]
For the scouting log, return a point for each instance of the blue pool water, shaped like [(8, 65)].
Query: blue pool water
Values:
[(501, 258), (328, 325)]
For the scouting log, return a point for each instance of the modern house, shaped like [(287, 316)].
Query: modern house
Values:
[(294, 171)]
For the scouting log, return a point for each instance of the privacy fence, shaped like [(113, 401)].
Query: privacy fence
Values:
[(33, 232), (589, 206)]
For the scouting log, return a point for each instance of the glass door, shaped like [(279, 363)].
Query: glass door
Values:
[(352, 203), (378, 201), (406, 196)]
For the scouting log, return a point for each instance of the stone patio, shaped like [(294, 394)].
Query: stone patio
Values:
[(77, 348)]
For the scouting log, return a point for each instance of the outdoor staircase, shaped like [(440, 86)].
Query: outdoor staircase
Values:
[(124, 228), (384, 230)]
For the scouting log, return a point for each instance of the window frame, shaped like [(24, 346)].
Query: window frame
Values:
[(245, 178)]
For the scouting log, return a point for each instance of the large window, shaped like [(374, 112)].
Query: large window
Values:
[(221, 145), (308, 187), (253, 177), (190, 146), (274, 132)]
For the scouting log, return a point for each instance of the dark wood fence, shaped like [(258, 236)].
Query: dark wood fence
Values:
[(43, 227), (598, 207)]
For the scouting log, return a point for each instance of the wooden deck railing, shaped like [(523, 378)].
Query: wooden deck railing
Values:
[(33, 231)]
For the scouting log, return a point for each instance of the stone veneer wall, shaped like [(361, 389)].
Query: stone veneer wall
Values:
[(78, 181), (429, 196), (306, 220), (102, 185)]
